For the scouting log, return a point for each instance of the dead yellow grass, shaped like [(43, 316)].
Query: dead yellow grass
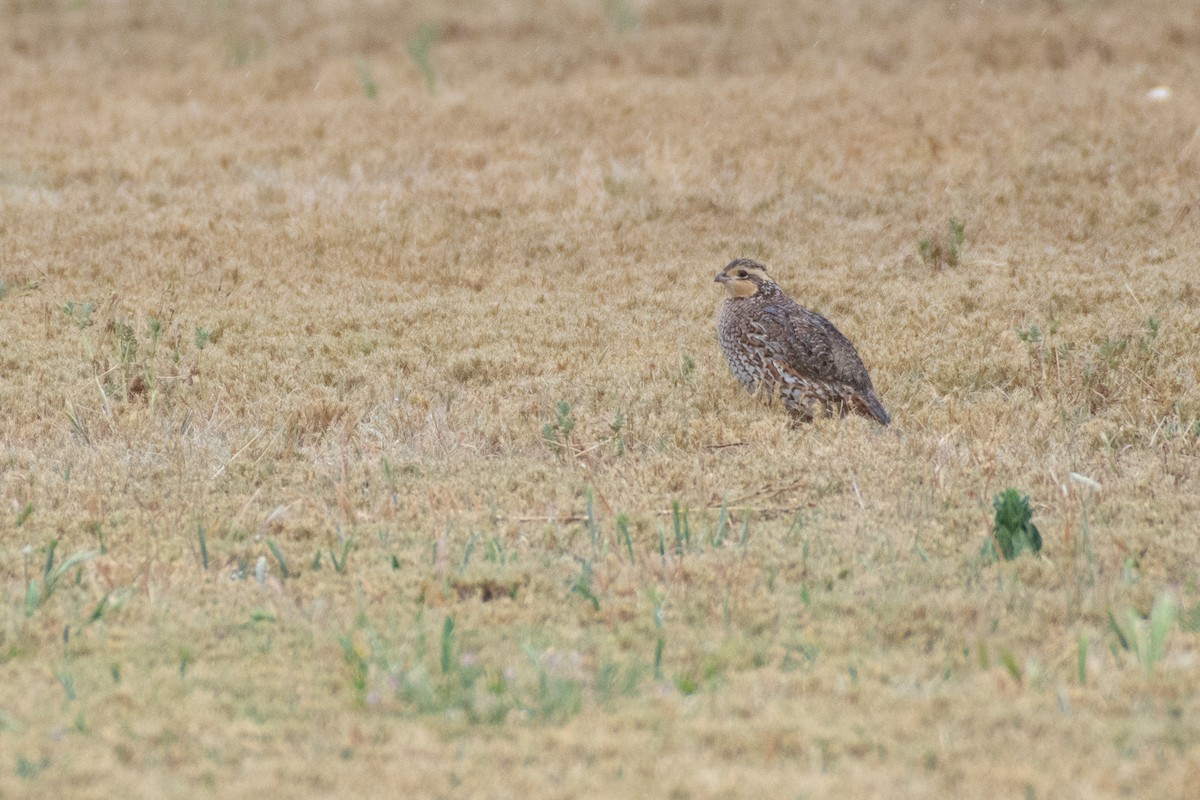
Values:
[(371, 307)]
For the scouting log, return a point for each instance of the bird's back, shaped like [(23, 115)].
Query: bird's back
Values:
[(774, 344)]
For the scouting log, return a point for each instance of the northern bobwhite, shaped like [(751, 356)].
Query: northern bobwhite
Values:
[(776, 347)]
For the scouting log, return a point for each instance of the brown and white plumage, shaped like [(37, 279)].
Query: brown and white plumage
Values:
[(777, 348)]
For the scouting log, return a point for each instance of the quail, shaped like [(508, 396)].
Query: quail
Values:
[(777, 348)]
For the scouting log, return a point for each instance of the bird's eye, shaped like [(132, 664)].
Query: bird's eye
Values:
[(743, 274)]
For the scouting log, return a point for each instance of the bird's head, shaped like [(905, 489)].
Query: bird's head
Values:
[(743, 277)]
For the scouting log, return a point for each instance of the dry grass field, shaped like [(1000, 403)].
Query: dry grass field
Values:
[(363, 430)]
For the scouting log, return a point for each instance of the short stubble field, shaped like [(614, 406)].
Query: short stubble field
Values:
[(364, 430)]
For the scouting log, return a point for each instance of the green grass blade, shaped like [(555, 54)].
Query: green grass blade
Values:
[(50, 559), (1083, 657), (33, 598), (470, 548), (1163, 616), (275, 551), (98, 612), (623, 531), (447, 649), (722, 522), (202, 537), (677, 522)]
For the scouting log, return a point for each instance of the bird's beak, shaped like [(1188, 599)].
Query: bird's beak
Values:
[(721, 278)]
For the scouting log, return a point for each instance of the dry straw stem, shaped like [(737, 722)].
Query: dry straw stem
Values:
[(370, 308)]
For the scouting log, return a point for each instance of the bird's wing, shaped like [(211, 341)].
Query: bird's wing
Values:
[(809, 345)]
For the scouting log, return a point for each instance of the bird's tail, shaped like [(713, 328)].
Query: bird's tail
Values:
[(870, 406)]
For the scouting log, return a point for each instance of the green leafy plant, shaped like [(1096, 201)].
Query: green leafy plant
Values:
[(124, 358), (687, 369), (938, 252), (36, 594), (339, 564), (1153, 325), (67, 680), (245, 48), (583, 585), (445, 680), (1120, 365), (618, 426), (1030, 335), (557, 434), (557, 697), (1013, 531), (1009, 661), (496, 553), (135, 372), (29, 769), (621, 15), (954, 240), (25, 287), (356, 663), (367, 80), (1146, 637), (1043, 345), (419, 48), (80, 313), (76, 421)]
